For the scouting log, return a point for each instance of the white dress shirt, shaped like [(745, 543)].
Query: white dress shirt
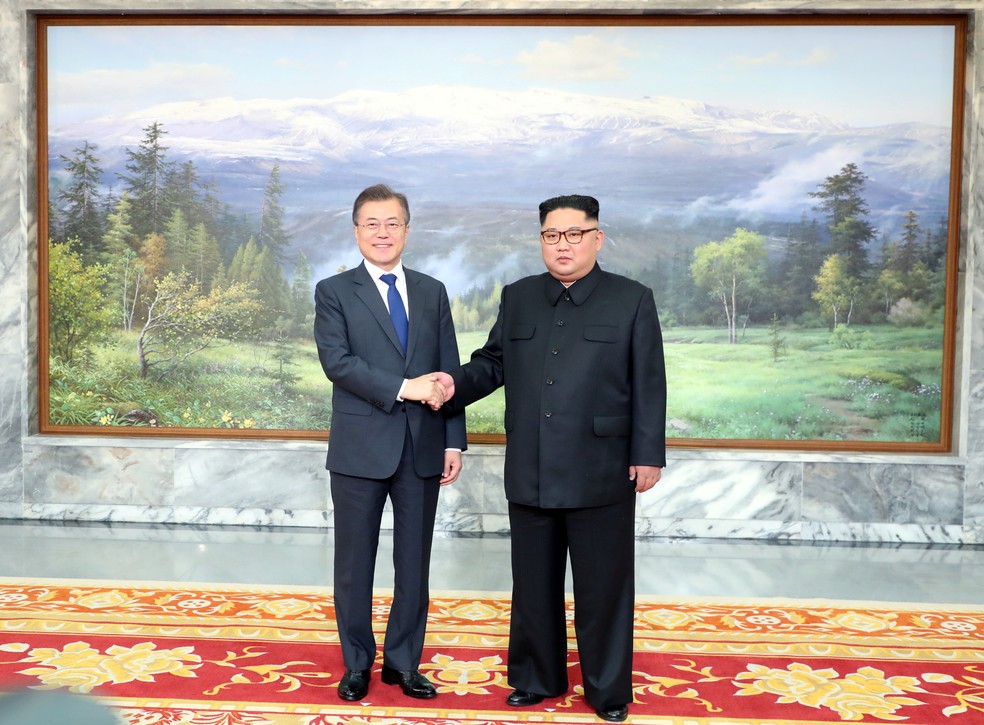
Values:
[(401, 283), (383, 288)]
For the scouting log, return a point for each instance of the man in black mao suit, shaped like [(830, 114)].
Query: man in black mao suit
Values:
[(382, 445), (580, 353)]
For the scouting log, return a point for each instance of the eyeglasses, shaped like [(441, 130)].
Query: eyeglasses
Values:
[(573, 236), (373, 227)]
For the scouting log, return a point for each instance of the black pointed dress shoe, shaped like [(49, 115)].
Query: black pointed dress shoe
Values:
[(614, 714), (522, 698), (411, 682), (354, 684)]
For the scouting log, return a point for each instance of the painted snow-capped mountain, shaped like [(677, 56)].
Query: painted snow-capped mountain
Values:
[(478, 161)]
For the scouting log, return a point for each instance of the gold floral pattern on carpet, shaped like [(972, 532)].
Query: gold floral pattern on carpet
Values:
[(177, 654)]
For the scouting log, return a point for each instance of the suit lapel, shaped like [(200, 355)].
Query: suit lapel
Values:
[(366, 290), (416, 302)]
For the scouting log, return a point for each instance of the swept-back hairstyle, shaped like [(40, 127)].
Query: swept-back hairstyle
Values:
[(379, 192)]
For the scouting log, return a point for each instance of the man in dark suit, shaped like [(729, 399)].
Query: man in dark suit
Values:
[(379, 327), (580, 353)]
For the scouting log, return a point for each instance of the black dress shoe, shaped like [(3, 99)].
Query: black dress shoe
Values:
[(411, 682), (354, 684), (614, 714), (522, 698)]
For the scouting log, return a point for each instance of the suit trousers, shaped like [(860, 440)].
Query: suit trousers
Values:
[(601, 544), (358, 508)]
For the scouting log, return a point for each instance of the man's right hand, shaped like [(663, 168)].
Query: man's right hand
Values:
[(426, 389)]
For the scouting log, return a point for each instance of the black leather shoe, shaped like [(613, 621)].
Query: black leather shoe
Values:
[(522, 698), (614, 714), (411, 682), (354, 684)]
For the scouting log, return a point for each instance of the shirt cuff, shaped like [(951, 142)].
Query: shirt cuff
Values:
[(399, 395)]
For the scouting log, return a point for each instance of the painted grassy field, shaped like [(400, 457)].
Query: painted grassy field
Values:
[(872, 383)]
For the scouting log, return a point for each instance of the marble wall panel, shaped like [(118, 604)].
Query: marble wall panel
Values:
[(214, 477), (11, 481), (114, 475), (974, 491), (459, 507), (484, 465), (749, 490), (11, 401), (11, 292), (455, 514), (882, 493)]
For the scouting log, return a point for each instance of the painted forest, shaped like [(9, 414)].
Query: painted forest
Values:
[(168, 308)]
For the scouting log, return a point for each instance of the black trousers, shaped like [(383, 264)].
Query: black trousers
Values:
[(358, 508), (601, 545)]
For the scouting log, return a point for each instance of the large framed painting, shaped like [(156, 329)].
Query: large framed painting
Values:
[(788, 186)]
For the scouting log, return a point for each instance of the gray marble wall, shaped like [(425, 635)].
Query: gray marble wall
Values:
[(719, 493)]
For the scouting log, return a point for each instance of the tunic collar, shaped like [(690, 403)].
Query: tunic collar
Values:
[(579, 291)]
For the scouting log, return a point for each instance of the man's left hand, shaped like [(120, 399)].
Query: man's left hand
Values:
[(645, 477), (452, 467)]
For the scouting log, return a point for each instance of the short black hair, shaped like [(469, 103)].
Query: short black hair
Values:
[(587, 204), (379, 192)]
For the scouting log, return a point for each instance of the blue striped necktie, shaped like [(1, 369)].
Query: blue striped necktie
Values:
[(398, 313)]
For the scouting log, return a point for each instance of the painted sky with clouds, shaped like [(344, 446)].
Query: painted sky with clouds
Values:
[(862, 75)]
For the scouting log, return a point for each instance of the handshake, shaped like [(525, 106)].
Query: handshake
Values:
[(433, 389)]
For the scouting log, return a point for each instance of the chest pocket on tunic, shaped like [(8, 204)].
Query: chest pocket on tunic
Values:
[(601, 333), (521, 331)]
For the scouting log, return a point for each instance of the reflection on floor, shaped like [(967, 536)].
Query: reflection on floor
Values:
[(677, 567)]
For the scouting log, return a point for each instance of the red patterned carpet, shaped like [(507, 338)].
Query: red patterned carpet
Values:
[(170, 654)]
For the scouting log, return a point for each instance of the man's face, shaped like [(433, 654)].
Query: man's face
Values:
[(565, 261), (384, 245)]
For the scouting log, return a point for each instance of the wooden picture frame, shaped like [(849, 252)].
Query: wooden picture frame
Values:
[(752, 141)]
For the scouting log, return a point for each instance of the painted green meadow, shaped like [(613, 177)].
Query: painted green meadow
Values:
[(887, 388), (881, 384)]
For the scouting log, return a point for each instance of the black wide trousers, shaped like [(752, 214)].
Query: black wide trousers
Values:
[(601, 544)]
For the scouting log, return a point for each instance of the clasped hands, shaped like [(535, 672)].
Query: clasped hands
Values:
[(433, 389)]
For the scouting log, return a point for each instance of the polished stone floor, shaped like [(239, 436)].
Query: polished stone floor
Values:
[(678, 567)]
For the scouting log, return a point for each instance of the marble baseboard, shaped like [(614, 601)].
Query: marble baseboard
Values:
[(496, 524), (177, 515), (661, 527), (883, 533), (476, 523)]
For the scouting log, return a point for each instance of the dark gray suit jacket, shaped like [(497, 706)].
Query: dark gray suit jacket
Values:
[(585, 387), (362, 357)]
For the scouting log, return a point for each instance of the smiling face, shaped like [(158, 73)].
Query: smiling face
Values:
[(384, 245), (565, 261)]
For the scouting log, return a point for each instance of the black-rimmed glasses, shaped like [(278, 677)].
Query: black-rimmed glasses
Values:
[(573, 236)]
